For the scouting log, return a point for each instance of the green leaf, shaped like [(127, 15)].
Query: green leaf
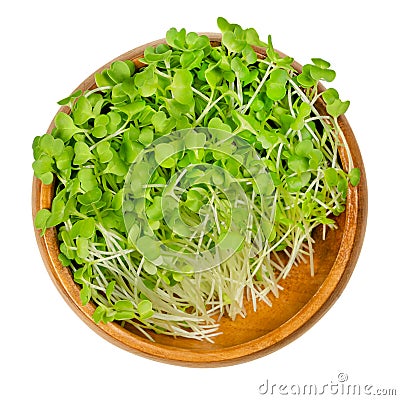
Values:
[(150, 268), (123, 305), (331, 177), (66, 127), (64, 160), (303, 113), (57, 210), (82, 245), (181, 86), (119, 71), (114, 121), (43, 168), (304, 110), (152, 55), (252, 38), (298, 164), (131, 66), (234, 41), (276, 84), (97, 102), (110, 289), (146, 81), (175, 38), (103, 80), (69, 99), (304, 148), (86, 179), (223, 24), (330, 95), (145, 309), (239, 68), (195, 41), (246, 122), (337, 107), (296, 183), (264, 184), (52, 147), (316, 157), (47, 178), (162, 152), (85, 294), (149, 247), (90, 197), (231, 241), (355, 176), (82, 153), (118, 200), (129, 150), (319, 62), (177, 277), (162, 123), (322, 74), (195, 140), (327, 221), (279, 76), (82, 111), (64, 260), (213, 76), (104, 152), (146, 136), (131, 109), (41, 219), (305, 79), (216, 123), (101, 120), (84, 228), (124, 310), (99, 131), (124, 315), (192, 59), (116, 166), (98, 314)]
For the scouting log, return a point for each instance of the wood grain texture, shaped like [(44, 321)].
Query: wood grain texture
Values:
[(302, 302)]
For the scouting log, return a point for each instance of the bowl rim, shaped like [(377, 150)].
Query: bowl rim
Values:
[(304, 319)]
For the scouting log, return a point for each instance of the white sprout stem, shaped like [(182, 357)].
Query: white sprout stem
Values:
[(98, 89), (336, 124), (163, 74), (208, 108), (115, 134), (290, 102), (317, 118), (259, 87), (345, 144), (239, 91), (202, 95)]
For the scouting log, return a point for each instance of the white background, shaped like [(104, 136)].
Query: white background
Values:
[(47, 49)]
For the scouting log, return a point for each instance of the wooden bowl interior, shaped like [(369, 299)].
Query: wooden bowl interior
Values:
[(303, 300), (298, 289)]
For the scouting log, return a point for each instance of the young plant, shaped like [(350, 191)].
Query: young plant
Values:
[(194, 183)]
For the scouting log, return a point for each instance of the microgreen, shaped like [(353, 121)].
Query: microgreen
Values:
[(178, 184)]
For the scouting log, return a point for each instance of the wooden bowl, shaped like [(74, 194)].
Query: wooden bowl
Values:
[(303, 301)]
